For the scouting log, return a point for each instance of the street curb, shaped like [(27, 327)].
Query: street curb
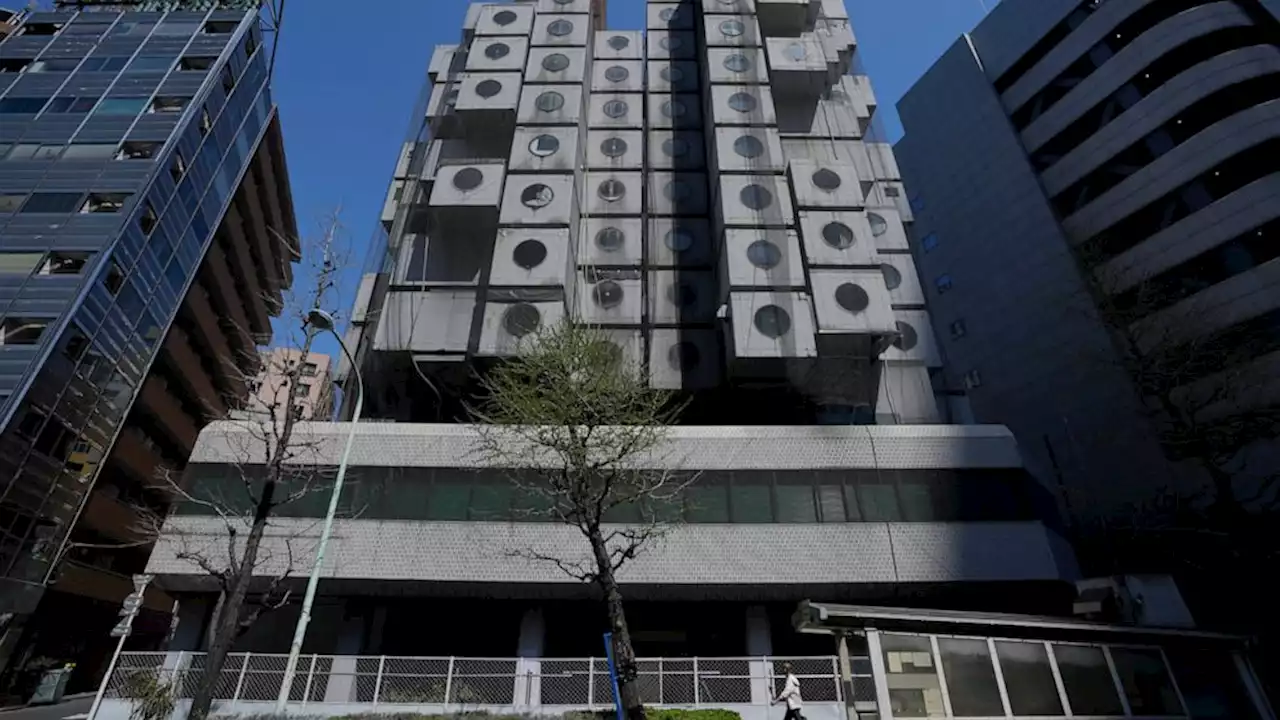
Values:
[(65, 699)]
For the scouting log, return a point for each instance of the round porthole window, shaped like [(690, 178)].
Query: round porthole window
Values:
[(748, 146), (852, 298), (607, 294), (678, 240), (521, 319), (549, 101), (684, 356), (732, 28), (560, 28), (497, 51), (671, 42), (796, 52), (674, 109), (613, 147), (671, 74), (838, 235), (488, 88), (756, 197), (839, 97), (879, 225), (537, 196), (504, 18), (675, 147), (555, 62), (772, 321), (667, 14), (544, 145), (612, 190), (743, 102), (619, 42), (826, 180), (682, 294), (892, 278), (610, 239), (907, 338), (764, 254), (564, 2), (737, 63), (616, 74), (468, 179), (529, 254), (615, 109), (678, 190)]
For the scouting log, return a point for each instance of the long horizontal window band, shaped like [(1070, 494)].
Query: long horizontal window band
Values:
[(747, 496), (1236, 256), (1095, 57), (1046, 44), (1142, 84), (1214, 184), (1199, 116)]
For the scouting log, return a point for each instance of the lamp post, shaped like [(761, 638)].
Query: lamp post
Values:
[(323, 321)]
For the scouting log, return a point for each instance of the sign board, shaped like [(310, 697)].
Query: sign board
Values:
[(130, 606)]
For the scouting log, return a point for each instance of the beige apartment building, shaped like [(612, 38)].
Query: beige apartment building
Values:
[(272, 386)]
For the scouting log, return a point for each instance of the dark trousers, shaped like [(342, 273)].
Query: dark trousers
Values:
[(793, 714)]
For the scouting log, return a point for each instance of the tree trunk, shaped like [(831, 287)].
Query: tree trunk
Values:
[(624, 656), (227, 622)]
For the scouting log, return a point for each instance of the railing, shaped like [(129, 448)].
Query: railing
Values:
[(508, 682)]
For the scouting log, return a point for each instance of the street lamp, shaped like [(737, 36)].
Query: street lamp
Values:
[(322, 321)]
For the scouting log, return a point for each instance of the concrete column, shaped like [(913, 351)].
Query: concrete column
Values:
[(533, 632), (759, 646), (342, 676), (192, 613)]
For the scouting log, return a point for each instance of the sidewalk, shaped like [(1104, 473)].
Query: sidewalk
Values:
[(70, 706)]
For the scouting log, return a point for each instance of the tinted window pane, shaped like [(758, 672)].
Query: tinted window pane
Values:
[(707, 500), (1145, 681), (1028, 678), (879, 500), (53, 203), (831, 503), (22, 105), (914, 688), (971, 679), (89, 151), (491, 502), (795, 501), (121, 106), (148, 62), (448, 501), (751, 498), (1211, 685), (1087, 680)]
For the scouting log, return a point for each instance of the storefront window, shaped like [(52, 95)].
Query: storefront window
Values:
[(914, 688), (1087, 680), (971, 678), (1028, 678)]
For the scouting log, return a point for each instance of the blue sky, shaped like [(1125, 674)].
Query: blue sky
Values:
[(347, 77)]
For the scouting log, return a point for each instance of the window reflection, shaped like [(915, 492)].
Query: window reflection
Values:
[(1145, 681), (1028, 678), (914, 688), (1087, 679), (971, 678)]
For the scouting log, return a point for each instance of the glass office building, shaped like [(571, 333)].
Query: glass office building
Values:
[(142, 200)]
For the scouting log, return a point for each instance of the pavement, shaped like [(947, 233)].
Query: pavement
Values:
[(74, 706)]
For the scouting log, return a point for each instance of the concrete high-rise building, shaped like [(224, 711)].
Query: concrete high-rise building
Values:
[(142, 198), (1095, 194), (707, 193), (271, 388)]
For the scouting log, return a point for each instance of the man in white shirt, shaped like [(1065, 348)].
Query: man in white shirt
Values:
[(790, 694)]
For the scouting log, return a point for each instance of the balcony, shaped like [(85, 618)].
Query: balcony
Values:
[(111, 517), (139, 457), (166, 408), (183, 357)]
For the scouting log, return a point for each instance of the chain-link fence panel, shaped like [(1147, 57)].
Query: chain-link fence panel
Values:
[(482, 682), (263, 675), (723, 681), (675, 681), (130, 668), (819, 677), (367, 672), (413, 680), (565, 682)]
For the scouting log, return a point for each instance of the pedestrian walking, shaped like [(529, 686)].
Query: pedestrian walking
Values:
[(790, 694)]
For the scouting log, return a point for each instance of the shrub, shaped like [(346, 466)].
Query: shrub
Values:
[(150, 697)]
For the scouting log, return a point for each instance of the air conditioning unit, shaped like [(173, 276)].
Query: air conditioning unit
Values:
[(772, 325), (684, 358), (672, 45), (676, 150), (680, 112), (749, 149), (1142, 600), (680, 242), (556, 65), (616, 110), (851, 301), (613, 193), (611, 242), (610, 76), (562, 30), (889, 232), (509, 326), (615, 45), (677, 193), (615, 150), (550, 105), (682, 297), (490, 54), (755, 201), (799, 64), (840, 238), (737, 66), (732, 30), (673, 76), (441, 62), (762, 258), (669, 16), (530, 257), (743, 105), (532, 200), (551, 148), (504, 20)]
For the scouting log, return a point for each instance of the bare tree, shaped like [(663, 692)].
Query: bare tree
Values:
[(582, 434), (276, 465)]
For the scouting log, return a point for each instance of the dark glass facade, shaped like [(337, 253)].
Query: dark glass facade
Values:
[(138, 153)]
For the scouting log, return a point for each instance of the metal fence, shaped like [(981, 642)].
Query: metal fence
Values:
[(510, 682)]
